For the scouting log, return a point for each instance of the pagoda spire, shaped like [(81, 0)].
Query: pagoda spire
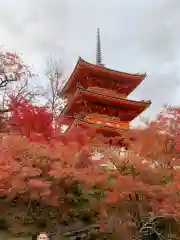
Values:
[(98, 50)]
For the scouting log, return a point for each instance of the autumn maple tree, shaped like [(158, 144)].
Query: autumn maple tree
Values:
[(43, 166), (14, 78), (146, 187)]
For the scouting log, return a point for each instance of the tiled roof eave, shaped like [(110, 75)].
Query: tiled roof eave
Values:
[(101, 125), (81, 60), (145, 103)]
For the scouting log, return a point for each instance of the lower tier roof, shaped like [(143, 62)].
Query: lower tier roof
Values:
[(106, 121), (99, 127), (112, 136)]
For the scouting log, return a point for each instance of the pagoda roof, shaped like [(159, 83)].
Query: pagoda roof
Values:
[(107, 131), (113, 99), (101, 71), (106, 120), (99, 127), (102, 98)]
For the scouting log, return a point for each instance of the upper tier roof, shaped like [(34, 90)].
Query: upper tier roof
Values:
[(82, 67)]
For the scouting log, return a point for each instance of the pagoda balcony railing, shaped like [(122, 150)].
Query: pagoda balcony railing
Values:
[(107, 121)]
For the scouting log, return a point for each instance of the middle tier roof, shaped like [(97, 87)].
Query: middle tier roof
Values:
[(86, 101)]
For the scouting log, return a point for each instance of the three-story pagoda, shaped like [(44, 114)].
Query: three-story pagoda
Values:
[(97, 97)]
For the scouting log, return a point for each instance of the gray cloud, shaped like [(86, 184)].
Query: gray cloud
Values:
[(137, 36)]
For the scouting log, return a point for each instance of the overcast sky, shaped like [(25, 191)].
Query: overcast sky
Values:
[(137, 36)]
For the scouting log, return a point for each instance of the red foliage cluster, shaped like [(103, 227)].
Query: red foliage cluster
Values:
[(36, 152), (47, 170), (31, 121)]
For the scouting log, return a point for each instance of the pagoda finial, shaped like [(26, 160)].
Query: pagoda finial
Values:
[(98, 50)]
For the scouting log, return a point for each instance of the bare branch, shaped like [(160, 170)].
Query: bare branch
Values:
[(54, 74)]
